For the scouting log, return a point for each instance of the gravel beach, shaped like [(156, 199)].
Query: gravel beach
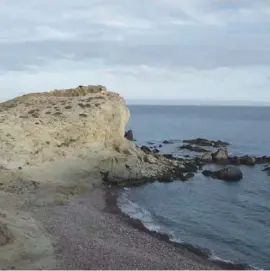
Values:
[(88, 234)]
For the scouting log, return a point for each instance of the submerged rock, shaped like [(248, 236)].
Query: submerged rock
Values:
[(167, 142), (229, 173), (193, 148), (206, 142)]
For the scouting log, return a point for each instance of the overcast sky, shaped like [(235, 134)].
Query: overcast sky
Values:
[(143, 49)]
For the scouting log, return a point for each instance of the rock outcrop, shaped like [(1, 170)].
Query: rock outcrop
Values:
[(66, 134), (129, 135), (206, 142)]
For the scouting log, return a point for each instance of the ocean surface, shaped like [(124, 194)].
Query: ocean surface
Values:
[(232, 220)]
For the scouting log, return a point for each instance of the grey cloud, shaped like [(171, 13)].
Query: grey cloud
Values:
[(150, 36)]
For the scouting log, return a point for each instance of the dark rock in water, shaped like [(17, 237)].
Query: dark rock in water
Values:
[(229, 173), (167, 142), (220, 155), (129, 135), (160, 146), (206, 142), (150, 143), (186, 155), (235, 160), (190, 167), (188, 176), (156, 150), (207, 173), (193, 148), (146, 149), (266, 169), (248, 160), (169, 156)]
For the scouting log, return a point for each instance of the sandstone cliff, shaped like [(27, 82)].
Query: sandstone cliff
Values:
[(42, 127)]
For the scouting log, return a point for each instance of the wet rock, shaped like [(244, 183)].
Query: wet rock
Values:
[(193, 148), (229, 173), (235, 160), (207, 157), (262, 160), (167, 142), (266, 169), (206, 142), (155, 150), (190, 167), (129, 135), (188, 176), (248, 160), (220, 155), (160, 146), (207, 173), (169, 156), (146, 149)]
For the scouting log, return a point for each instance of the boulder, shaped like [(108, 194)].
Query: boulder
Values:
[(129, 135), (155, 150), (266, 169), (193, 148), (248, 160), (229, 173), (220, 155), (207, 157)]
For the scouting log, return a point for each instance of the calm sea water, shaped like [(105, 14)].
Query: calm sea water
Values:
[(232, 220)]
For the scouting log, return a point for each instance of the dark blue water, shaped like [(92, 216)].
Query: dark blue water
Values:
[(230, 219)]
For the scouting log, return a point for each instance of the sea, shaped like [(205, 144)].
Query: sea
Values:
[(230, 220)]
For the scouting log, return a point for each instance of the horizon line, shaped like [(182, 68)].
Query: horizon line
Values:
[(196, 102)]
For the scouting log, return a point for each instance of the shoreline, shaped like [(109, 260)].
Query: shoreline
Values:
[(111, 202), (90, 232)]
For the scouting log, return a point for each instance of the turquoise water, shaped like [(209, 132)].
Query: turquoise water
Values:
[(232, 220)]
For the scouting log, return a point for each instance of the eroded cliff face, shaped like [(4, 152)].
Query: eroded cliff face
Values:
[(42, 127)]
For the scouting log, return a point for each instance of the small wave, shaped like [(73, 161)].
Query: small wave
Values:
[(137, 212)]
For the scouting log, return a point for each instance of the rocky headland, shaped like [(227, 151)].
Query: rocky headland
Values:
[(60, 144), (55, 146)]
